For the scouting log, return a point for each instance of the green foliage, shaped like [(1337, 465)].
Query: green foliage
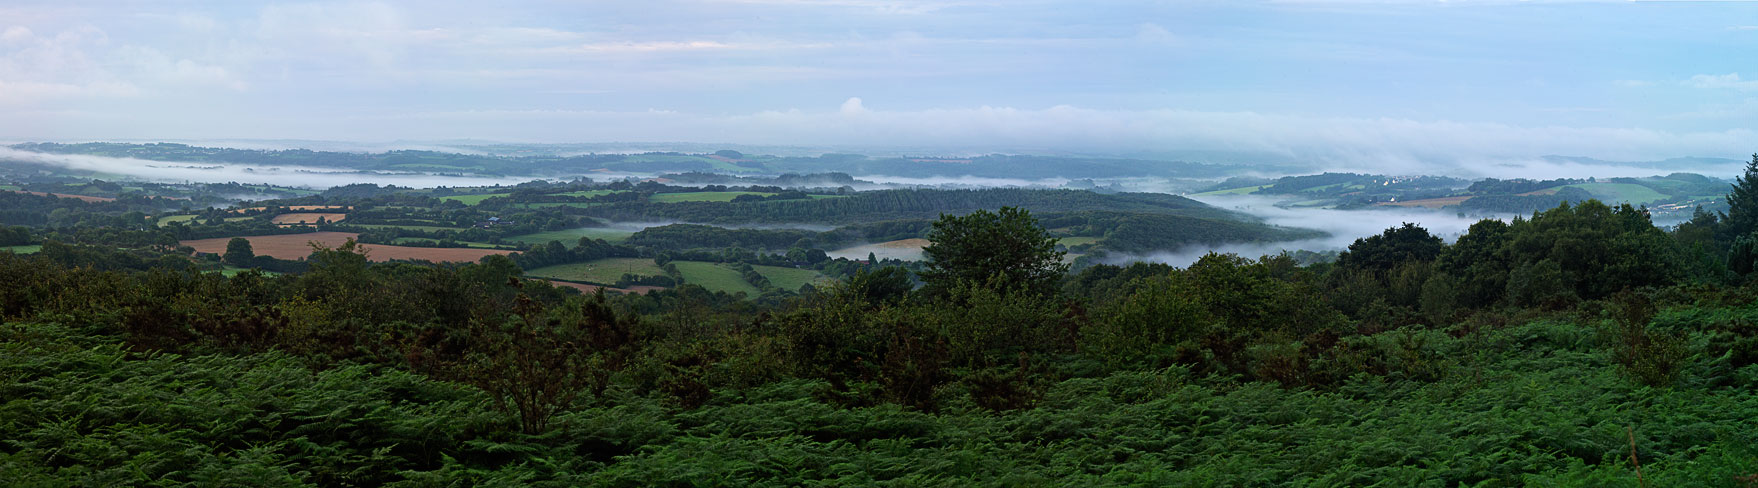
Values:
[(1397, 245), (536, 364), (1006, 248), (1650, 356), (1742, 259), (1498, 362), (238, 252), (1742, 200), (887, 285)]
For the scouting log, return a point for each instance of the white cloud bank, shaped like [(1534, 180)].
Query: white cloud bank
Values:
[(172, 172), (1381, 145)]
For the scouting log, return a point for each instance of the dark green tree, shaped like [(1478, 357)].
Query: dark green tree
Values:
[(885, 285), (1393, 247), (1743, 255), (238, 252), (1007, 246), (1742, 201)]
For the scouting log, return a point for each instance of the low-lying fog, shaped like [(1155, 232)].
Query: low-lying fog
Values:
[(1343, 227), (281, 175)]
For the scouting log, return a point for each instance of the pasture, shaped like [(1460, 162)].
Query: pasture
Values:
[(715, 277), (1244, 190), (702, 196), (1076, 241), (168, 219), (789, 278), (472, 199), (604, 271), (1621, 192)]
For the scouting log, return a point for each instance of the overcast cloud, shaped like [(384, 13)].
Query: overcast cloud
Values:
[(1368, 85)]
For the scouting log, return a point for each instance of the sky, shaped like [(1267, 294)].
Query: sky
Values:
[(1370, 83)]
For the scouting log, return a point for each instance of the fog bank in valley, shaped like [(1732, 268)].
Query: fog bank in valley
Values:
[(212, 172), (1342, 226)]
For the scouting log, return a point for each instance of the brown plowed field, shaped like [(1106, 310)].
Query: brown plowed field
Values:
[(296, 246), (308, 218)]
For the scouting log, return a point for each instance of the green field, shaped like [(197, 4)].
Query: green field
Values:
[(1244, 190), (556, 204), (715, 277), (702, 196), (789, 278), (1621, 192), (472, 199), (571, 237), (9, 188), (424, 240), (25, 249), (423, 228), (589, 193), (168, 219), (230, 271), (436, 166), (1075, 241), (601, 271)]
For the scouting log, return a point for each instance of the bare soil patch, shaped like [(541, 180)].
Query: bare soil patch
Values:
[(308, 218), (298, 246)]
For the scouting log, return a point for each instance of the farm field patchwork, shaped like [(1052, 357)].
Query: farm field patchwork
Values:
[(298, 246)]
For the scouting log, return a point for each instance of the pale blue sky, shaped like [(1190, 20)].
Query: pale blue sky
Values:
[(1354, 81)]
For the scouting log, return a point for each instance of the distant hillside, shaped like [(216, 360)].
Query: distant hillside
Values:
[(549, 164), (873, 206)]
